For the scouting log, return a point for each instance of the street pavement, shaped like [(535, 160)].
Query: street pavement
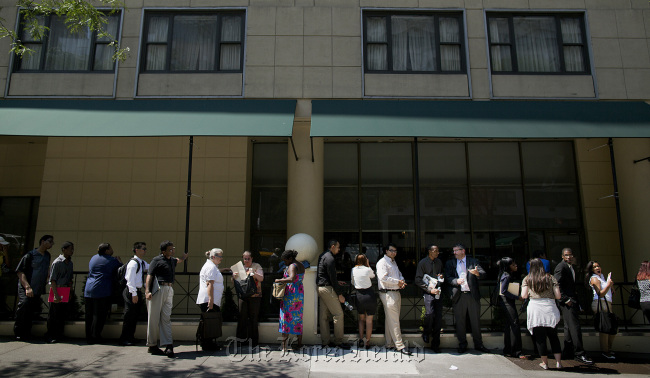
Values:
[(74, 358)]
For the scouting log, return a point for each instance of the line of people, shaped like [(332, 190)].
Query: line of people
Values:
[(153, 284)]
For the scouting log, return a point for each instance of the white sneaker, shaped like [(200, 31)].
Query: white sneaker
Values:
[(609, 356)]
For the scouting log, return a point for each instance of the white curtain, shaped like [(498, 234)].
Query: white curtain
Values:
[(376, 54), (157, 32), (572, 33), (500, 54), (67, 51), (31, 61), (104, 52), (413, 45), (193, 43), (230, 55), (536, 43), (449, 53)]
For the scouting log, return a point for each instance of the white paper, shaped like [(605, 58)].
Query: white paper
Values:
[(465, 285), (240, 270), (452, 367)]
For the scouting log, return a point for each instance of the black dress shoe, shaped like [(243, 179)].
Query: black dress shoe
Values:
[(155, 351), (425, 338), (344, 346), (436, 350), (584, 359), (126, 343), (483, 349), (170, 352), (462, 350), (405, 352)]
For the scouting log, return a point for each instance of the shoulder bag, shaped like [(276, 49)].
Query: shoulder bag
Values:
[(605, 322), (245, 288), (634, 300), (278, 289)]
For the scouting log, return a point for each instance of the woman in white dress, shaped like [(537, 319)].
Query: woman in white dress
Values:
[(543, 314)]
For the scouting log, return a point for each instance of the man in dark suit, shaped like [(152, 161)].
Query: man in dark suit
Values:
[(463, 274), (569, 307)]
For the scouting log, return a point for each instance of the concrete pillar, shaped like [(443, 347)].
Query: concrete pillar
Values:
[(634, 197), (305, 206), (305, 181)]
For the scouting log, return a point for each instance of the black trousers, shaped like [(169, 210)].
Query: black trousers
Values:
[(25, 311), (645, 307), (511, 332), (131, 314), (432, 319), (572, 332), (540, 335), (467, 305), (96, 313), (248, 324), (56, 320)]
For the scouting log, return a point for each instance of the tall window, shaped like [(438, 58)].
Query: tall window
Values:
[(498, 198), (193, 42), (535, 43), (61, 50), (268, 201), (414, 43)]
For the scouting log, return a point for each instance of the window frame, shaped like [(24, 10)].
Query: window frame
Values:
[(436, 14), (92, 49), (220, 13), (557, 16)]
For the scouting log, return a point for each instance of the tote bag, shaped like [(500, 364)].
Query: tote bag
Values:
[(605, 322)]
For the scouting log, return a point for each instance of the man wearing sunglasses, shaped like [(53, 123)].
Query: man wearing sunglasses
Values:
[(136, 271)]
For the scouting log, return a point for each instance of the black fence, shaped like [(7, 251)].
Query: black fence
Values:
[(412, 313)]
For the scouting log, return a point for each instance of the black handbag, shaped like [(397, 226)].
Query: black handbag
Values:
[(209, 328), (634, 300), (245, 288), (605, 322)]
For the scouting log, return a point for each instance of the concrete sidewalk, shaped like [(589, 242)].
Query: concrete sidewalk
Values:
[(76, 358)]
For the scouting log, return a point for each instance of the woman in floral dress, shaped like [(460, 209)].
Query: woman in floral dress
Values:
[(294, 295)]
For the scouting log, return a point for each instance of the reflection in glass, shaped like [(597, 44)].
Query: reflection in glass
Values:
[(497, 208), (494, 163)]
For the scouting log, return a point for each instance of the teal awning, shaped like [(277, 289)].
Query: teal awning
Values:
[(147, 117), (480, 119)]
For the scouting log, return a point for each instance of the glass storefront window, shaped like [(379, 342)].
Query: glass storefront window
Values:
[(268, 202), (495, 197)]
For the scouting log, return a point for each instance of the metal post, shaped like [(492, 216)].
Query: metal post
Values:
[(189, 196), (610, 142)]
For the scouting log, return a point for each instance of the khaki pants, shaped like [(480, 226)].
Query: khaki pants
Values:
[(606, 340), (328, 303), (159, 309), (392, 301)]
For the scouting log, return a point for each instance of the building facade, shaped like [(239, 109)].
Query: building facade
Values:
[(496, 123)]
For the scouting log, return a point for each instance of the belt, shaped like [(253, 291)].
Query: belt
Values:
[(165, 284), (386, 290), (465, 292)]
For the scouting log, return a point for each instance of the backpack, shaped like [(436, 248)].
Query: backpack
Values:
[(121, 273)]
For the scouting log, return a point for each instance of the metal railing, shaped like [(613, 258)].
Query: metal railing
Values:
[(187, 284)]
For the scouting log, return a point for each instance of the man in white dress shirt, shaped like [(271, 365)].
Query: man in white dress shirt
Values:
[(390, 281), (136, 270)]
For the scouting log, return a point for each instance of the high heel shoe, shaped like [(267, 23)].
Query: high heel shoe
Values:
[(559, 366), (543, 366)]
